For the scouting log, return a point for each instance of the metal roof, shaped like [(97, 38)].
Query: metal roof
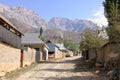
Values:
[(31, 38), (51, 47), (61, 46)]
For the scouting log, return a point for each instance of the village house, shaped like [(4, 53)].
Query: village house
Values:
[(10, 44), (111, 53), (62, 48), (108, 54), (92, 53), (32, 40), (56, 51), (9, 33)]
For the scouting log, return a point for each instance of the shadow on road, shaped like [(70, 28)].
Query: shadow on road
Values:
[(80, 66), (71, 78), (55, 70)]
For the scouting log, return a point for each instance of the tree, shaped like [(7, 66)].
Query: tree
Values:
[(112, 13), (70, 45), (91, 40), (41, 32)]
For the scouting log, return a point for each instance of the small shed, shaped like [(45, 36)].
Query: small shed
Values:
[(32, 40), (92, 54), (54, 51), (9, 33), (62, 48), (51, 51)]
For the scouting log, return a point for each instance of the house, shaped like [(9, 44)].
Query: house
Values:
[(54, 51), (111, 52), (62, 48), (108, 54), (9, 33), (32, 40), (10, 44), (92, 53)]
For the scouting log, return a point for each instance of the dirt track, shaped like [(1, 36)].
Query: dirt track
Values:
[(58, 70)]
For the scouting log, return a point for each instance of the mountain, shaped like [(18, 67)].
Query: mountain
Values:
[(71, 25), (23, 15), (57, 34), (28, 21)]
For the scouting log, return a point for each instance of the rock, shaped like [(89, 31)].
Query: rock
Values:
[(2, 73), (97, 72), (113, 74), (110, 73)]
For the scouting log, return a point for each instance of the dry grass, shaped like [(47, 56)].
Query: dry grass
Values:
[(16, 73)]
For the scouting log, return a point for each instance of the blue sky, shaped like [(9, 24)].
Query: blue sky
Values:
[(72, 9)]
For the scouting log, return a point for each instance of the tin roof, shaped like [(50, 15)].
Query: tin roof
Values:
[(51, 47), (61, 46), (31, 38)]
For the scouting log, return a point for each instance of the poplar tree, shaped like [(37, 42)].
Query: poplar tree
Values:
[(112, 13)]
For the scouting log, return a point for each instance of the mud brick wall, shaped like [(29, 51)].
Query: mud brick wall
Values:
[(10, 57)]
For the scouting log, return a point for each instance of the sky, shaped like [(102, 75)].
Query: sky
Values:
[(73, 9)]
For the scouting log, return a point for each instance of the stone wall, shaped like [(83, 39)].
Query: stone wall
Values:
[(99, 54), (111, 51), (10, 57), (29, 56)]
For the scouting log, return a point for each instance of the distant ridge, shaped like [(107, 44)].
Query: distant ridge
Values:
[(28, 21)]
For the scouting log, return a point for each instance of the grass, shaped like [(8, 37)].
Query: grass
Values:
[(16, 73)]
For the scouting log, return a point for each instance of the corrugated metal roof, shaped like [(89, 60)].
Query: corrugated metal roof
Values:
[(31, 38), (51, 47), (61, 46)]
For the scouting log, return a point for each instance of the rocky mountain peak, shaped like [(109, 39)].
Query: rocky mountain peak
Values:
[(29, 21), (22, 10), (71, 25), (3, 8), (23, 15)]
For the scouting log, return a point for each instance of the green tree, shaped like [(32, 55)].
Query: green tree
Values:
[(91, 40), (112, 13), (111, 10), (70, 45), (41, 32)]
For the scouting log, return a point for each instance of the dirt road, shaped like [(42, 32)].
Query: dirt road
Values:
[(58, 70)]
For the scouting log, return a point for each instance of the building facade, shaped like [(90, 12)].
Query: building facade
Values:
[(9, 33)]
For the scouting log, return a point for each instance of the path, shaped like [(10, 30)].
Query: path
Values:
[(58, 70)]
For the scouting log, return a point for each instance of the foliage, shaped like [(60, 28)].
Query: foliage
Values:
[(113, 33), (41, 32), (112, 13), (91, 39), (70, 45)]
